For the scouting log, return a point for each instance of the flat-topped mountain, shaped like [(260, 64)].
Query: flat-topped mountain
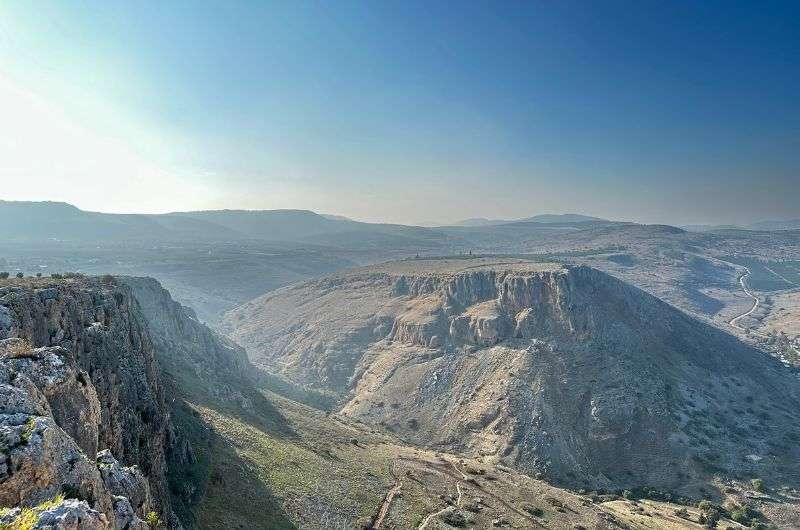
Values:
[(563, 371)]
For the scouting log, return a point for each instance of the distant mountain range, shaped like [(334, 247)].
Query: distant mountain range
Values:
[(544, 218), (63, 222), (58, 221), (790, 224)]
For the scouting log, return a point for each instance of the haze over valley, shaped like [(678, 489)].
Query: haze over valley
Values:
[(390, 266)]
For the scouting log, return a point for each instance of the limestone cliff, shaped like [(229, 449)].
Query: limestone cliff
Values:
[(84, 369), (49, 433), (563, 371)]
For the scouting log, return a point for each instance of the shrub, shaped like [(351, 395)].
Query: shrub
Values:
[(20, 275), (534, 511), (154, 521), (18, 349), (757, 484), (107, 278), (56, 275), (4, 275), (29, 517), (706, 506), (38, 274), (455, 519)]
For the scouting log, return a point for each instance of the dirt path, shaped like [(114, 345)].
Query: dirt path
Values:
[(387, 503), (446, 509), (430, 517)]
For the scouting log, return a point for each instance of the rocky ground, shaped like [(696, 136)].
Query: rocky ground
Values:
[(119, 409), (549, 369)]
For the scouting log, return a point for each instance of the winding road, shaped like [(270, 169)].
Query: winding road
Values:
[(748, 292)]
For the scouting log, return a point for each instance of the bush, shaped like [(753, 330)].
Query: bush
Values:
[(4, 275), (107, 278), (706, 506), (154, 521), (455, 519), (56, 276), (18, 349), (20, 275), (757, 484), (534, 511)]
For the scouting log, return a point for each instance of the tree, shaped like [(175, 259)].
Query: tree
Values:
[(20, 275), (3, 275)]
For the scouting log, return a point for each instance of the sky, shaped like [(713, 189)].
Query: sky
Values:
[(414, 112)]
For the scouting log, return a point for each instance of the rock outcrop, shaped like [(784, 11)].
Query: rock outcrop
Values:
[(85, 365), (49, 419), (563, 371), (62, 514), (79, 375)]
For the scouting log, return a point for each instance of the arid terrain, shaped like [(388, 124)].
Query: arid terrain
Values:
[(583, 374)]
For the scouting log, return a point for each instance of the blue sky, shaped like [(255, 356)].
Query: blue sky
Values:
[(672, 112)]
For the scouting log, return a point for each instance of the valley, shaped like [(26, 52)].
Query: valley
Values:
[(489, 377), (399, 265)]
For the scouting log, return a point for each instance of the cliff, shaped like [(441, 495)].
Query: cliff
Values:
[(85, 366), (561, 371)]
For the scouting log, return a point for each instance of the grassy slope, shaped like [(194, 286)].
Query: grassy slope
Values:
[(271, 462), (296, 467)]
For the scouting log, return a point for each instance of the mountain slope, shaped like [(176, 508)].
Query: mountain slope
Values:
[(48, 221), (552, 370), (788, 224), (542, 218)]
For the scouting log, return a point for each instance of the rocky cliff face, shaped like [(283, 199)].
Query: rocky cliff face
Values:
[(84, 369), (50, 418), (567, 372), (185, 344), (102, 327)]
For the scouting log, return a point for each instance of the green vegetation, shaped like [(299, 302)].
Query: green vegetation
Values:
[(4, 275), (154, 521), (534, 511), (27, 432), (28, 517), (757, 484)]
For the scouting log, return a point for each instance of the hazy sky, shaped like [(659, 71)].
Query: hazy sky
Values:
[(671, 111)]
